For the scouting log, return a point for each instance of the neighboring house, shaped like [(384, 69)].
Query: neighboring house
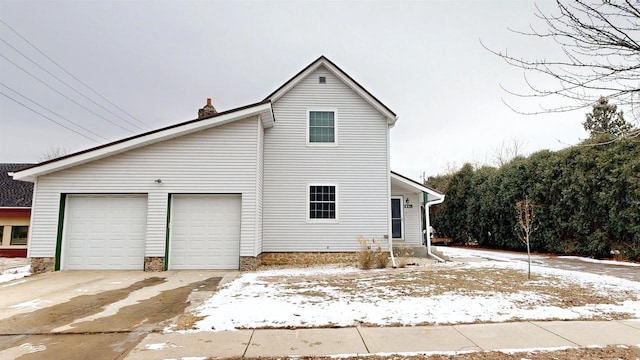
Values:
[(15, 212), (297, 177)]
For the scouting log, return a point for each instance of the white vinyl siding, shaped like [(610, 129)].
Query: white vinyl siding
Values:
[(259, 191), (217, 160), (358, 165)]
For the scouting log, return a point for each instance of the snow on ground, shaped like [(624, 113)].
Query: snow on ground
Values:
[(13, 268), (279, 298), (608, 262), (455, 252)]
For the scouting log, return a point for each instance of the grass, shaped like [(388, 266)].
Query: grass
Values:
[(425, 282)]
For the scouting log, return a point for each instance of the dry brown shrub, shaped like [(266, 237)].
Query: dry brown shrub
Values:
[(365, 255), (370, 259), (381, 259)]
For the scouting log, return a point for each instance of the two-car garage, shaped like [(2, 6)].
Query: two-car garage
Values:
[(108, 232)]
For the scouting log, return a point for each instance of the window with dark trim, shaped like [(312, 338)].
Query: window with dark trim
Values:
[(322, 202), (19, 235)]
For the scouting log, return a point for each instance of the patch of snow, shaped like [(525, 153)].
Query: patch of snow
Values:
[(608, 262), (14, 283), (241, 303), (159, 346), (15, 273), (530, 350), (455, 252), (31, 304), (33, 348)]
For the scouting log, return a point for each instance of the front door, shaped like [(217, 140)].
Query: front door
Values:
[(396, 217)]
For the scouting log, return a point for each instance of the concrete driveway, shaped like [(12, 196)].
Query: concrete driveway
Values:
[(96, 314)]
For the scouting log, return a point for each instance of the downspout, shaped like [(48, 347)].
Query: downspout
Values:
[(389, 230), (428, 224)]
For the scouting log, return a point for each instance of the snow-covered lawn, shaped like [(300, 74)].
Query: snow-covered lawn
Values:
[(458, 292), (13, 269)]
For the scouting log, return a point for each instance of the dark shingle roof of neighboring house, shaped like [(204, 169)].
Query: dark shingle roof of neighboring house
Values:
[(14, 193)]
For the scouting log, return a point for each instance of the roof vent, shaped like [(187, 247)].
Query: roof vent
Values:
[(207, 110), (322, 80)]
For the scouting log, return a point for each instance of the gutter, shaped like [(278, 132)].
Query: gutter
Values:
[(428, 224)]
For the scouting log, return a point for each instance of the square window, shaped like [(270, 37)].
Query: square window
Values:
[(322, 126), (19, 235), (322, 202)]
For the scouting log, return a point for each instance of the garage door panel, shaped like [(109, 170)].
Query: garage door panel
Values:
[(104, 232), (205, 232)]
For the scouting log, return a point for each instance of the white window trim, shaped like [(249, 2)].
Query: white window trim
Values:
[(335, 127), (308, 204), (401, 197)]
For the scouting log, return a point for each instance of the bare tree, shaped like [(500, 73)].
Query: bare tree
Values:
[(526, 225), (600, 43), (507, 151), (53, 153)]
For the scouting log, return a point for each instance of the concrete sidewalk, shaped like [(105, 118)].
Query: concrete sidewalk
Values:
[(371, 340)]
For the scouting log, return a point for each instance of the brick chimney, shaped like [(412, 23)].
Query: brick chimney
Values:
[(207, 110)]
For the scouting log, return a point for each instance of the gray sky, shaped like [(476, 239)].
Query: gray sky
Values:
[(160, 60)]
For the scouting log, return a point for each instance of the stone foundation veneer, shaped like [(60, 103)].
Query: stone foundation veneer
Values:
[(152, 263), (308, 258), (250, 263), (41, 265)]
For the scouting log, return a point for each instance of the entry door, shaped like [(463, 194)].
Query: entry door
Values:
[(396, 217)]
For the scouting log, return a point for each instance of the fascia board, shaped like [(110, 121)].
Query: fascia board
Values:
[(416, 186)]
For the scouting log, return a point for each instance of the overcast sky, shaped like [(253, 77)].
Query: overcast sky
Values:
[(160, 60)]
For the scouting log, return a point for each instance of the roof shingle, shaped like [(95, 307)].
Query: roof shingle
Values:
[(14, 193)]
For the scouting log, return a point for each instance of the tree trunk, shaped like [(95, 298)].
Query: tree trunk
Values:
[(529, 258)]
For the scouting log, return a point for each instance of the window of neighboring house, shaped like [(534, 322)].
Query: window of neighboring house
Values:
[(322, 202), (19, 235), (322, 127), (1, 233)]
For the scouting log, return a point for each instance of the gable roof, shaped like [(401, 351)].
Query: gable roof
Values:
[(14, 193), (344, 77), (262, 109), (416, 185)]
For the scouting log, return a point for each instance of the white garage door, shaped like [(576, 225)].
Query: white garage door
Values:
[(104, 232), (205, 232)]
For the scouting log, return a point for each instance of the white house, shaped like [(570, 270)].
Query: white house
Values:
[(299, 176)]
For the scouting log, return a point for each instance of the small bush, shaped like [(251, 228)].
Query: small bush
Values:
[(370, 259), (365, 255), (401, 256), (381, 259)]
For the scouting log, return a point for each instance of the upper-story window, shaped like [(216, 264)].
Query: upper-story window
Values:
[(322, 127)]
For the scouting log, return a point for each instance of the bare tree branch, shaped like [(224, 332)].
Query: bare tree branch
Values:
[(600, 43)]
